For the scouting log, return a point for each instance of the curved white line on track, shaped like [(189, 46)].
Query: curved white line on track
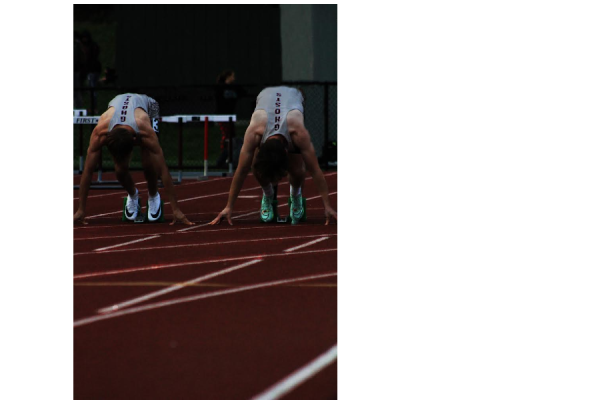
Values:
[(298, 377), (120, 191), (126, 243), (229, 228), (120, 306), (306, 244), (188, 263), (103, 250), (153, 306)]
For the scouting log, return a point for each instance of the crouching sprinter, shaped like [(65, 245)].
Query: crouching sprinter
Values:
[(125, 124), (277, 144)]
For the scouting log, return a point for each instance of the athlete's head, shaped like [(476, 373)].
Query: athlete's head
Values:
[(120, 143), (271, 162)]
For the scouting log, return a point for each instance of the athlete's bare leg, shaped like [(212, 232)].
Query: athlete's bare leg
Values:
[(123, 175), (296, 170), (150, 172)]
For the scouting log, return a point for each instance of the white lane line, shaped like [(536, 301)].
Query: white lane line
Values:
[(188, 263), (173, 246), (166, 203), (177, 286), (111, 237), (120, 191), (179, 201), (319, 196), (153, 306), (208, 223), (126, 243), (297, 378), (306, 244), (222, 230), (121, 226)]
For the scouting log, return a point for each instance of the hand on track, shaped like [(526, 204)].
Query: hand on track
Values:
[(178, 216), (226, 213), (330, 212), (80, 217)]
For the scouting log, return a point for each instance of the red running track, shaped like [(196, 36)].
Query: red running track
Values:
[(207, 312)]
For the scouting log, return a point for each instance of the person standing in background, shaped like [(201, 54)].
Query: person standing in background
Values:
[(226, 97)]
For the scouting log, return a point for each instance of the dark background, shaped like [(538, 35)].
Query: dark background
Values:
[(159, 45)]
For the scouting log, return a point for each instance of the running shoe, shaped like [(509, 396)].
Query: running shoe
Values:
[(155, 209), (131, 209), (297, 208), (267, 209)]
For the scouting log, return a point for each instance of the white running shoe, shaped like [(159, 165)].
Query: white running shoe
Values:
[(132, 208), (154, 208)]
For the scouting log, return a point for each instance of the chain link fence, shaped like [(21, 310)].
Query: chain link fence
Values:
[(320, 116)]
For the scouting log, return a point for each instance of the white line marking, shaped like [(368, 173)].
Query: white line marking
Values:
[(179, 201), (319, 196), (166, 303), (111, 237), (120, 191), (177, 286), (188, 263), (199, 244), (306, 244), (232, 228), (126, 243), (297, 378), (208, 223)]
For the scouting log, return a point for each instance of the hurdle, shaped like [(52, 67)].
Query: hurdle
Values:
[(80, 113), (82, 119), (182, 119)]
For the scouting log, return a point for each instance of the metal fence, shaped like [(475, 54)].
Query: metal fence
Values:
[(320, 117)]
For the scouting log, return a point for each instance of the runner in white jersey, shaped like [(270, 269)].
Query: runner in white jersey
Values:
[(127, 123), (277, 144)]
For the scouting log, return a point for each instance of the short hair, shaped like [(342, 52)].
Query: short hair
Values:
[(271, 161), (120, 143), (224, 75)]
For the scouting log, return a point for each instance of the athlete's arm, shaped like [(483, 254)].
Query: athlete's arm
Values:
[(301, 139), (251, 142), (91, 161)]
